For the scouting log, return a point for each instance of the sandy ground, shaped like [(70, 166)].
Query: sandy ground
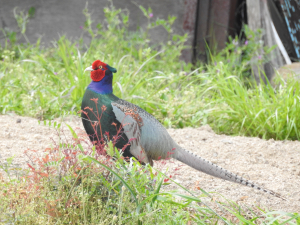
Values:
[(272, 164)]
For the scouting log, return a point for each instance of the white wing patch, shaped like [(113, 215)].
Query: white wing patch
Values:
[(132, 130)]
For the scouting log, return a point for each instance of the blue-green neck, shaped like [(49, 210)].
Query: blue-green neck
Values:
[(102, 87)]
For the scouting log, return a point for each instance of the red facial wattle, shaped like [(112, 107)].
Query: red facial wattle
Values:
[(97, 75), (98, 72)]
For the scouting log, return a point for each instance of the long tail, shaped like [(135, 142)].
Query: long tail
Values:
[(212, 169)]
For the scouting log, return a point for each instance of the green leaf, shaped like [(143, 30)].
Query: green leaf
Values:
[(75, 137), (157, 191), (31, 12), (144, 11), (118, 176)]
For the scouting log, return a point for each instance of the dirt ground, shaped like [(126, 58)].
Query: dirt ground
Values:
[(272, 164)]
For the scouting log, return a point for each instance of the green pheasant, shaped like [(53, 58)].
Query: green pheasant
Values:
[(140, 134)]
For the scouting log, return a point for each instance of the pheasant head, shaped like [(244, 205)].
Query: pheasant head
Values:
[(99, 70), (101, 75)]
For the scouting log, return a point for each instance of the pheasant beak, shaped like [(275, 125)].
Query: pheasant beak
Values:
[(88, 69)]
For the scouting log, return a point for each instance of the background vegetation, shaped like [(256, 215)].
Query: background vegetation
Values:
[(48, 82), (75, 185)]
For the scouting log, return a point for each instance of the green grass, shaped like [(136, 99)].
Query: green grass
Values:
[(259, 111)]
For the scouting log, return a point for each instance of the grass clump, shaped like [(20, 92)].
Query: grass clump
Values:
[(259, 111), (239, 106)]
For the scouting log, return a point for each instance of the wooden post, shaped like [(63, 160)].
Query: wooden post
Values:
[(259, 18), (201, 28), (214, 23)]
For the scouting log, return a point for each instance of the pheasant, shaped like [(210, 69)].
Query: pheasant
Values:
[(141, 136)]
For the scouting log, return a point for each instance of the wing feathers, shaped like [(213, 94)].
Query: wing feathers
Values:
[(131, 123)]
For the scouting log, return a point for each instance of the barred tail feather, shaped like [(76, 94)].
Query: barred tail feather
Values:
[(212, 169)]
